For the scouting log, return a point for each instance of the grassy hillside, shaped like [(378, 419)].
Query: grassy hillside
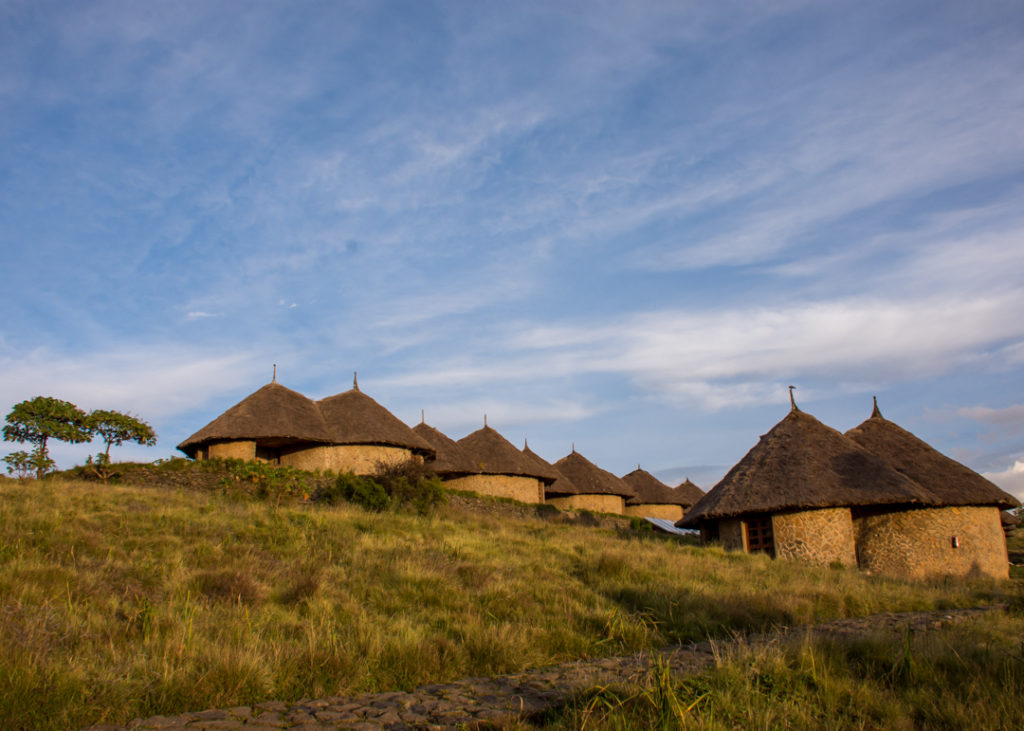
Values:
[(119, 601)]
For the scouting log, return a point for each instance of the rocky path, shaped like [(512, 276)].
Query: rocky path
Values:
[(492, 702)]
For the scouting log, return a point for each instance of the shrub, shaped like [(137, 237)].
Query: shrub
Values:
[(410, 483)]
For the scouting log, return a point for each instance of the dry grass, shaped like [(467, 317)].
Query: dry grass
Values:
[(118, 602), (961, 677)]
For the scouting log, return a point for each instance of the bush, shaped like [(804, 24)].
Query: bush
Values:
[(362, 491), (410, 483)]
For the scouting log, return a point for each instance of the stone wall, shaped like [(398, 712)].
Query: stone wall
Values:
[(361, 459), (818, 536), (920, 543), (732, 535), (523, 489), (615, 504), (229, 450), (654, 510)]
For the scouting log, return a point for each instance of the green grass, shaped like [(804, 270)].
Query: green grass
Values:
[(119, 601), (961, 677)]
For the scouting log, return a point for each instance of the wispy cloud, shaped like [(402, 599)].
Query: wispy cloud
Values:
[(1011, 479)]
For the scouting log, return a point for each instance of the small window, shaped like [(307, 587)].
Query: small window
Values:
[(759, 535)]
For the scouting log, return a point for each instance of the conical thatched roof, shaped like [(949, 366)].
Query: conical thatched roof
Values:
[(652, 491), (354, 418), (450, 458), (273, 415), (590, 479), (689, 491), (492, 454), (562, 484), (802, 464), (951, 482)]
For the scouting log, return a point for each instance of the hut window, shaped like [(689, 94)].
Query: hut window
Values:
[(759, 535)]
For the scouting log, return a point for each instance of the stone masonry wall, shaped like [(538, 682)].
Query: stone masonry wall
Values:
[(731, 534), (919, 543), (594, 503), (360, 459), (230, 450), (523, 489), (649, 510), (818, 536)]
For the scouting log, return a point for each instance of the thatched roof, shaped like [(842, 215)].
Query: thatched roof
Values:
[(492, 454), (273, 415), (562, 484), (801, 464), (951, 482), (689, 491), (450, 458), (652, 491), (590, 479), (354, 418)]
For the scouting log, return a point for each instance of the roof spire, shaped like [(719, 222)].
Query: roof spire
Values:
[(274, 380), (355, 380), (792, 400), (875, 411)]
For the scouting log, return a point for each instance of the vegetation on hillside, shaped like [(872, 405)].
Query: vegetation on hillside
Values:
[(124, 601), (43, 418)]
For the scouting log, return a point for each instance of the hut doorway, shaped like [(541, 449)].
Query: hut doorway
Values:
[(760, 538)]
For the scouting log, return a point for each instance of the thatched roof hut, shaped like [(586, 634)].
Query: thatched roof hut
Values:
[(352, 417), (272, 416), (450, 459), (689, 491), (562, 484), (950, 482), (652, 491), (653, 498), (596, 489), (502, 470), (493, 454), (801, 464), (346, 432)]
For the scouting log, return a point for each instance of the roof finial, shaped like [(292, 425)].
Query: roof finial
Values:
[(875, 411), (355, 380), (274, 380), (574, 447), (792, 400), (526, 443), (423, 416), (485, 419)]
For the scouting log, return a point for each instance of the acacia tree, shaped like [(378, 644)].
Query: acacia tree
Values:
[(38, 420), (115, 429)]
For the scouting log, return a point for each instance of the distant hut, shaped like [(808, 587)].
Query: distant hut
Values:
[(689, 491), (960, 535), (260, 426), (596, 489), (792, 495), (347, 432), (561, 487), (450, 460), (654, 499), (501, 470)]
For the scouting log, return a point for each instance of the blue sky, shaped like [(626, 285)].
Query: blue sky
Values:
[(624, 225)]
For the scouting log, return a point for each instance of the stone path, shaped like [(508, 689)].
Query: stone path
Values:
[(482, 703)]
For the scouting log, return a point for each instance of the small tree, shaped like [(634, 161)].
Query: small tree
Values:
[(115, 429), (22, 464), (37, 420)]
